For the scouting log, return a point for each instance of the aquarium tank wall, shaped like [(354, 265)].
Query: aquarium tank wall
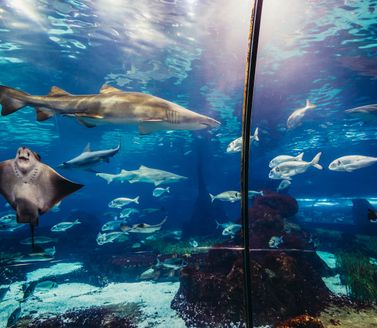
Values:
[(184, 163)]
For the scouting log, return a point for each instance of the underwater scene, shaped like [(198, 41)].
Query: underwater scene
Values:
[(120, 166)]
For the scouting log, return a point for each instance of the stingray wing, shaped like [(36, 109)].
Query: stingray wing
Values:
[(54, 187), (7, 182)]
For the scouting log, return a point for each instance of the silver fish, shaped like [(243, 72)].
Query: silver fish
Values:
[(123, 201), (111, 225), (109, 237), (157, 192), (275, 241), (227, 196), (231, 230), (284, 158), (111, 105), (351, 163), (38, 240), (284, 184), (127, 212), (236, 145), (64, 226), (296, 118)]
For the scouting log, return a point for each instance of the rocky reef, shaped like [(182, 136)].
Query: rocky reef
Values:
[(286, 274)]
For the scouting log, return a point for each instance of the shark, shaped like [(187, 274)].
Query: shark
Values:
[(110, 105), (89, 158)]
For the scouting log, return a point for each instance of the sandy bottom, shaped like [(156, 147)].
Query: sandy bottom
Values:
[(347, 317)]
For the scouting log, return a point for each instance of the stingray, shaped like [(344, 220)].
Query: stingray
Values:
[(31, 187)]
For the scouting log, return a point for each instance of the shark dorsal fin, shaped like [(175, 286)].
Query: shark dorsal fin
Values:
[(109, 89), (87, 148), (57, 92)]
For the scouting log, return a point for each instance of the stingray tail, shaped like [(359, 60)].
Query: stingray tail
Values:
[(12, 100)]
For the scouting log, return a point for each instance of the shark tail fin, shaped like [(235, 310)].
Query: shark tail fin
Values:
[(256, 134), (136, 200), (168, 189), (300, 156), (212, 197), (108, 177), (309, 104), (315, 161), (12, 100), (77, 221)]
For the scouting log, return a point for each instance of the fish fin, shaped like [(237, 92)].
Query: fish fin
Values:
[(77, 221), (109, 89), (11, 100), (158, 182), (87, 148), (217, 224), (150, 126), (300, 156), (136, 200), (163, 221), (256, 134), (315, 161), (57, 92), (309, 104), (107, 177), (168, 189), (82, 122), (43, 113), (212, 197)]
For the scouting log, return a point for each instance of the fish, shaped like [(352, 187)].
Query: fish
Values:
[(372, 216), (275, 241), (127, 212), (64, 226), (31, 187), (89, 158), (143, 227), (38, 240), (366, 113), (285, 170), (157, 192), (150, 273), (231, 230), (253, 193), (111, 225), (227, 196), (111, 105), (236, 145), (10, 225), (285, 158), (193, 243), (56, 207), (173, 263), (108, 237), (351, 163), (122, 176), (223, 225), (155, 176), (37, 257), (296, 118), (284, 184), (123, 201)]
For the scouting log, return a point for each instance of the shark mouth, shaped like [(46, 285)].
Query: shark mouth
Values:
[(23, 158)]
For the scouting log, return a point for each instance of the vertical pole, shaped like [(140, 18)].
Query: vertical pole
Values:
[(246, 114)]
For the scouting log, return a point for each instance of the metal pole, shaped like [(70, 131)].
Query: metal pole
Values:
[(246, 114)]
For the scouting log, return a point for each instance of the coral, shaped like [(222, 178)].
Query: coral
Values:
[(302, 321), (286, 205)]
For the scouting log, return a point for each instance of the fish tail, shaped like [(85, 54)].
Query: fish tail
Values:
[(309, 104), (108, 177), (217, 224), (212, 197), (315, 161), (168, 189), (256, 134), (136, 200), (164, 220), (77, 221), (300, 156), (12, 100)]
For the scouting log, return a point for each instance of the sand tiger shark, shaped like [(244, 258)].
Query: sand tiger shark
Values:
[(88, 157), (111, 105)]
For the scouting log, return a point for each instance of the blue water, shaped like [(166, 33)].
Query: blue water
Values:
[(192, 53)]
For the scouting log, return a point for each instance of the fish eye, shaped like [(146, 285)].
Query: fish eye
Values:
[(277, 169), (338, 162)]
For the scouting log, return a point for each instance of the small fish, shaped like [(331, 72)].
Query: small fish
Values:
[(372, 216), (151, 273), (227, 196), (187, 152), (143, 227), (231, 230), (123, 201), (252, 193), (64, 226), (127, 212), (285, 170), (157, 192), (284, 184), (351, 163), (285, 158), (296, 118), (111, 225), (236, 145), (173, 263), (38, 240), (275, 242), (223, 225), (193, 243), (109, 237), (37, 257), (8, 218)]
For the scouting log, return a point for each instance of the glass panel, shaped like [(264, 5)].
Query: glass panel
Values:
[(313, 232), (124, 99)]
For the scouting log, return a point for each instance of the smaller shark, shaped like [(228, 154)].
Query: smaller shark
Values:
[(89, 158)]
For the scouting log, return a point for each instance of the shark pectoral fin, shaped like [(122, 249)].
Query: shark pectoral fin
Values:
[(87, 148), (43, 113), (84, 123), (57, 92), (150, 126), (109, 89)]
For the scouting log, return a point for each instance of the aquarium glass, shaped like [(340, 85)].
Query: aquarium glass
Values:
[(126, 110), (313, 232)]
